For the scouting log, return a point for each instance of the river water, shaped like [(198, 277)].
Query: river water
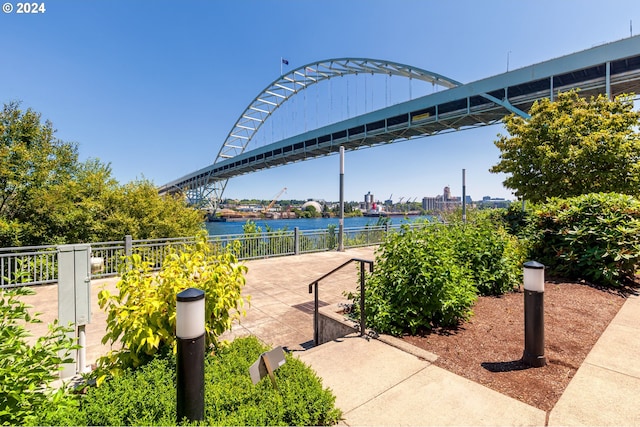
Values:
[(235, 227)]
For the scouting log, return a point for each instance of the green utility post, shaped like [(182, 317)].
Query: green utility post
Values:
[(74, 299)]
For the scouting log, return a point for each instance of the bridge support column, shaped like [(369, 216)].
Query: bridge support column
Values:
[(341, 227), (608, 80)]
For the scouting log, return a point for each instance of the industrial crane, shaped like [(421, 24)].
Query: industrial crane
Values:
[(273, 202)]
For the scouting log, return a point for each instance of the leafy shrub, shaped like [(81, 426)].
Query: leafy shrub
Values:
[(232, 399), (515, 221), (493, 257), (594, 237), (142, 316), (431, 275), (418, 282), (26, 370), (147, 396)]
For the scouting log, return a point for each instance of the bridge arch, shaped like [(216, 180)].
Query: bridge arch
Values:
[(290, 84), (280, 91)]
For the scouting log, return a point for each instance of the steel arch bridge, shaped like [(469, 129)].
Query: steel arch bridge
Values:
[(612, 69), (206, 187)]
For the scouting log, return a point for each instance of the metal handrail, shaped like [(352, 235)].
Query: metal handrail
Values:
[(313, 288)]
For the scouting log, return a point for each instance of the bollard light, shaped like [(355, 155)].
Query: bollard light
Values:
[(190, 313), (190, 333), (533, 275), (533, 278)]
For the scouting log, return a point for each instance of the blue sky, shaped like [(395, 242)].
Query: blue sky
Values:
[(153, 87)]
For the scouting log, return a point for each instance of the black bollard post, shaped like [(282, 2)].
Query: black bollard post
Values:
[(534, 315), (190, 333)]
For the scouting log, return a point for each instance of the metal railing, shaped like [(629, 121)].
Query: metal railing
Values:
[(313, 288), (34, 265)]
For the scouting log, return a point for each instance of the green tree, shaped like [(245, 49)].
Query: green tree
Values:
[(32, 161), (74, 210), (48, 197), (136, 209), (572, 146)]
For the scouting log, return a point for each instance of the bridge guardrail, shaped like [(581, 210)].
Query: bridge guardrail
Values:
[(37, 265)]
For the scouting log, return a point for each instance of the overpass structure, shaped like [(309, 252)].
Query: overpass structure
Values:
[(610, 69)]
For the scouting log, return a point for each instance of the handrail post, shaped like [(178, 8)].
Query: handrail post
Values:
[(314, 288), (363, 326), (296, 241)]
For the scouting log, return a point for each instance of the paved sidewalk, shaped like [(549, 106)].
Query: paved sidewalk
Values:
[(606, 387), (379, 384), (281, 311)]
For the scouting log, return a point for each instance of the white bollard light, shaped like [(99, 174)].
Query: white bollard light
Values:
[(533, 275), (190, 313)]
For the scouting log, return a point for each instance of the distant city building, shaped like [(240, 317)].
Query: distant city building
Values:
[(368, 201), (488, 202), (446, 194), (444, 202), (429, 203)]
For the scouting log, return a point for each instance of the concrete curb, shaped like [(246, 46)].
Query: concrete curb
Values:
[(407, 348), (333, 324)]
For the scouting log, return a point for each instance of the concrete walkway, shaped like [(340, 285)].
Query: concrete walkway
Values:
[(380, 384)]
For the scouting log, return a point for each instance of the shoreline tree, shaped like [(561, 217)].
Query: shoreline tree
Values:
[(572, 146), (47, 196)]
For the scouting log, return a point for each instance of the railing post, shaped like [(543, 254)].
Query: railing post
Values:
[(296, 241), (128, 245)]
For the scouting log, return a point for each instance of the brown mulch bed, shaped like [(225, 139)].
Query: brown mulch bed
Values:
[(487, 349)]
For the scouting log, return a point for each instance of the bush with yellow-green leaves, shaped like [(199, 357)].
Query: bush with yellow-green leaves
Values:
[(141, 317)]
